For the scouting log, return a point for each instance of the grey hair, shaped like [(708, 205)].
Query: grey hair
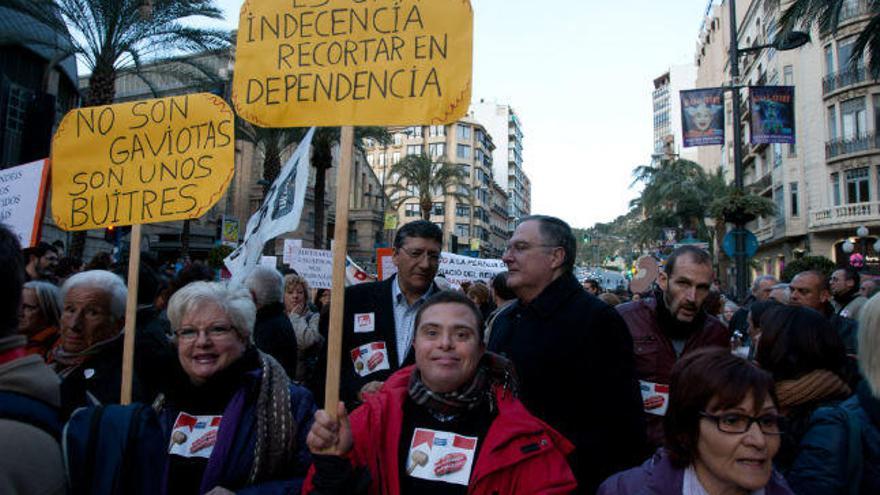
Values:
[(869, 343), (100, 279), (784, 287), (757, 283), (48, 300), (556, 233), (234, 299), (266, 284)]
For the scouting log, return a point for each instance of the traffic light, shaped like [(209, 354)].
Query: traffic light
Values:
[(110, 234)]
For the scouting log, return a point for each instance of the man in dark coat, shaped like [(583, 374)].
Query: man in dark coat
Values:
[(669, 325), (572, 352), (273, 332), (378, 320), (811, 289)]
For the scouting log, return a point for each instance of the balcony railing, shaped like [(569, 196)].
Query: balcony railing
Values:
[(845, 146), (764, 233), (844, 78), (851, 213)]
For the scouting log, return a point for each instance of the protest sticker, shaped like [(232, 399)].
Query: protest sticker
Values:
[(370, 358), (441, 456), (338, 62), (655, 397), (194, 436), (141, 162), (22, 197)]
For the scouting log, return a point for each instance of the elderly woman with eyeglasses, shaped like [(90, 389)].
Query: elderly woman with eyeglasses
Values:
[(722, 431), (39, 316), (234, 420)]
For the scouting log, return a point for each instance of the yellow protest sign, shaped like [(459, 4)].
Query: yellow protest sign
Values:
[(353, 62), (141, 162)]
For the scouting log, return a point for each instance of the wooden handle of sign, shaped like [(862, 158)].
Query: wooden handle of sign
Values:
[(340, 238), (134, 262)]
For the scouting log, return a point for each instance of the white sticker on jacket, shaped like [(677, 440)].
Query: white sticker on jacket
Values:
[(655, 397), (194, 436), (370, 358), (441, 456), (364, 322)]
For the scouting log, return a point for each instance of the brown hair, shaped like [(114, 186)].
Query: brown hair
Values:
[(708, 376), (480, 292)]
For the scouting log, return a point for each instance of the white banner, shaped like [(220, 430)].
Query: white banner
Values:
[(456, 268), (279, 214), (291, 246), (316, 266), (21, 199)]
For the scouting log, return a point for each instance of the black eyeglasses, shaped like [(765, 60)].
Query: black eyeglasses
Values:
[(769, 424)]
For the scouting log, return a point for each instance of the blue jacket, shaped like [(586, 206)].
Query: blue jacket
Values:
[(839, 447), (657, 476), (840, 453), (230, 467)]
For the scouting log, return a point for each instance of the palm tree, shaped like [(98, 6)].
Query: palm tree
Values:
[(674, 195), (826, 16), (419, 177), (114, 35)]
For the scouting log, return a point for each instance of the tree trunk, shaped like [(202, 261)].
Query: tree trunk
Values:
[(426, 207), (322, 159), (184, 239), (271, 161), (102, 90)]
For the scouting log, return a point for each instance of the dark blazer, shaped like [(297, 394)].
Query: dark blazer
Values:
[(273, 334), (574, 357), (369, 301)]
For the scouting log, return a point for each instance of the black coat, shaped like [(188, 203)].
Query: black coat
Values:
[(273, 334), (574, 357), (98, 380), (367, 299)]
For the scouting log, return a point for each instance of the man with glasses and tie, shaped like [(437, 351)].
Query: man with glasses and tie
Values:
[(572, 352), (379, 316)]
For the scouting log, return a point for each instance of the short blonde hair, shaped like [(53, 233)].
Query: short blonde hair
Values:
[(294, 279), (234, 299), (869, 343)]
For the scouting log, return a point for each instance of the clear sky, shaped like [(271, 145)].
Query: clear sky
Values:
[(580, 74)]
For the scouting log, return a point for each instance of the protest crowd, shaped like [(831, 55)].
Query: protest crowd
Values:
[(532, 382)]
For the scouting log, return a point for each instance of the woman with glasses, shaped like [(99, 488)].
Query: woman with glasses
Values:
[(232, 416), (722, 430), (808, 360)]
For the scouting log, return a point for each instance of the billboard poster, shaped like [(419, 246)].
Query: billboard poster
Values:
[(772, 114), (702, 117)]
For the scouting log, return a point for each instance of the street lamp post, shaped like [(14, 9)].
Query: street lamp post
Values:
[(862, 238), (793, 40)]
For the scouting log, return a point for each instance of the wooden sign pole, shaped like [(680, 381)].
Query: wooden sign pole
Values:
[(340, 242), (134, 262)]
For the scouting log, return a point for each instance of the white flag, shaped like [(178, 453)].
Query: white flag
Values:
[(279, 214)]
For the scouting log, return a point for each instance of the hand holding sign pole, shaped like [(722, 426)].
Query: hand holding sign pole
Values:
[(140, 162), (337, 62)]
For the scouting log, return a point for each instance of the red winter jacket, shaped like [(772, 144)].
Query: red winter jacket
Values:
[(521, 454)]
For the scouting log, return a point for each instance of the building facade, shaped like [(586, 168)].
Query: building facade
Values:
[(466, 224), (667, 112), (828, 183), (503, 123)]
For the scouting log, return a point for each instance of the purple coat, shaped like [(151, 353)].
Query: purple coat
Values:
[(657, 476)]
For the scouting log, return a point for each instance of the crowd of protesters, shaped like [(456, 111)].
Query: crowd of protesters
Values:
[(532, 382)]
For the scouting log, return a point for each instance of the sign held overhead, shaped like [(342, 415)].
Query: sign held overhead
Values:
[(141, 162), (343, 62)]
